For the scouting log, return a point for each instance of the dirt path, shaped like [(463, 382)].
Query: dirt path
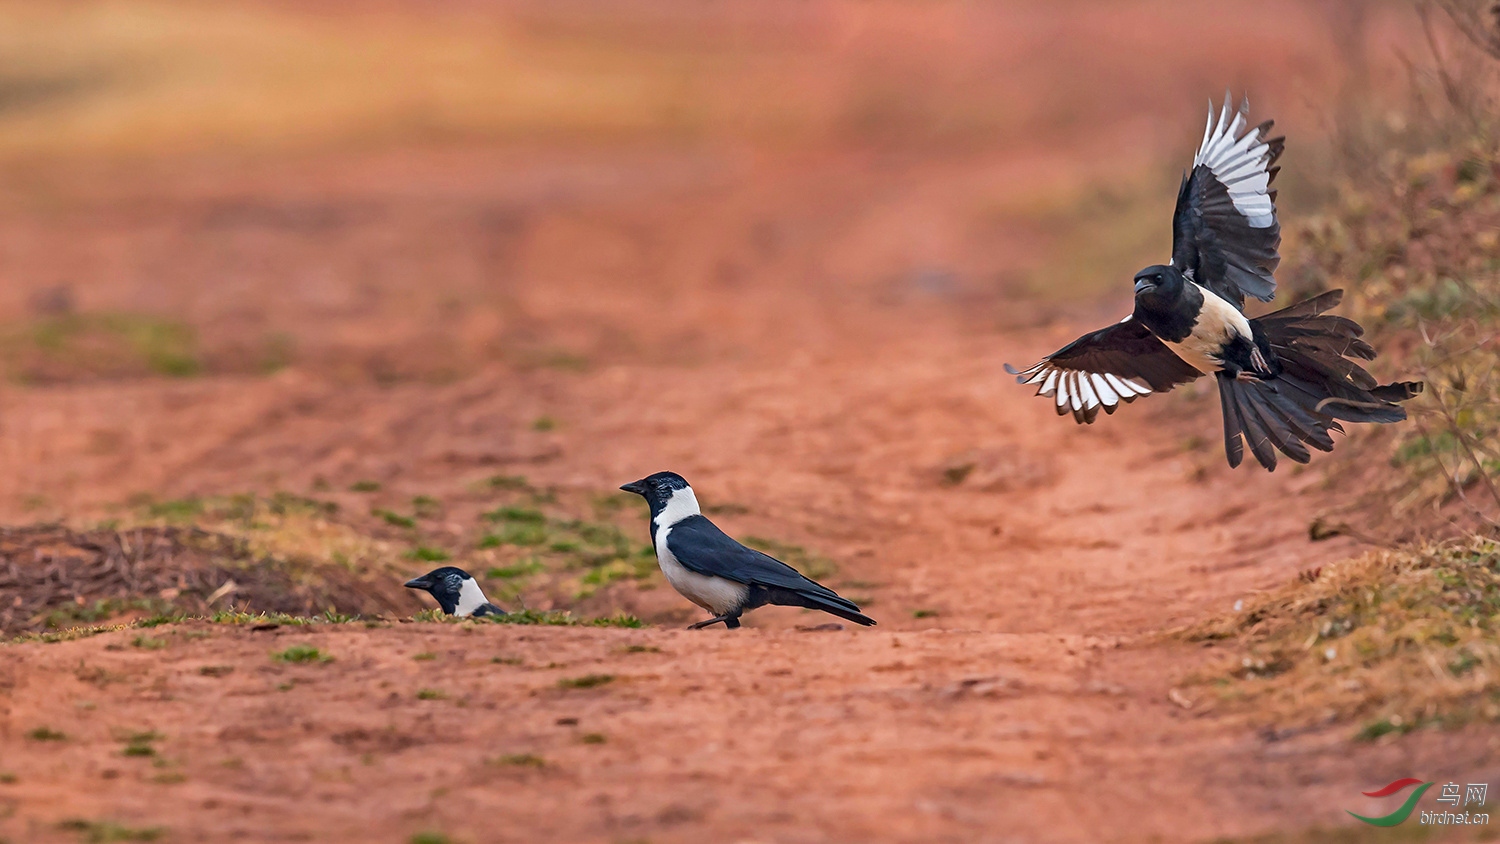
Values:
[(1027, 703), (814, 338)]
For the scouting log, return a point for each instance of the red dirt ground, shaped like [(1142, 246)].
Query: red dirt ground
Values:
[(813, 335)]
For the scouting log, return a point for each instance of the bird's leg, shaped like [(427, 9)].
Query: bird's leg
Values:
[(715, 620)]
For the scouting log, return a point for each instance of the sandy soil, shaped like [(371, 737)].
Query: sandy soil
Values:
[(1030, 704), (813, 336)]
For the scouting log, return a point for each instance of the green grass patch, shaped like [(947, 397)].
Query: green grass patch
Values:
[(140, 743), (301, 654), (521, 535), (365, 486), (102, 832), (427, 555), (431, 694), (520, 760), (522, 569), (99, 345), (393, 518), (516, 514), (621, 619), (46, 734), (253, 618), (426, 507)]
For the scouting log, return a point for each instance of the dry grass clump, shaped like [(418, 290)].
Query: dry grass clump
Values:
[(1395, 640), (56, 578), (280, 526), (1413, 233)]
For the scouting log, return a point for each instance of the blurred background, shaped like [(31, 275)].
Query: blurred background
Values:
[(387, 190), (381, 254), (300, 298)]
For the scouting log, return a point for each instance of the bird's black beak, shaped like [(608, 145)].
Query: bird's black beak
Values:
[(1143, 284), (637, 487), (419, 583)]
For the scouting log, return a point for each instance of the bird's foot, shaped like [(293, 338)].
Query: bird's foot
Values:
[(731, 621)]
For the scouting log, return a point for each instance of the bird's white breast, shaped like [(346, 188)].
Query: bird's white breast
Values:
[(714, 594), (1218, 323)]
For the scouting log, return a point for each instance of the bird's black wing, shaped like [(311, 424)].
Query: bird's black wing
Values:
[(700, 546), (1103, 368), (1224, 232)]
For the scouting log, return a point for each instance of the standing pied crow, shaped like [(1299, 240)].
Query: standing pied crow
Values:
[(718, 574), (1285, 379), (457, 592)]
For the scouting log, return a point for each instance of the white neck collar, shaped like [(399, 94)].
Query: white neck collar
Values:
[(470, 598), (682, 505)]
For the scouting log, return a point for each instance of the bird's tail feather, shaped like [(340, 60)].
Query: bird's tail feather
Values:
[(1317, 386), (821, 598), (1268, 420), (842, 610)]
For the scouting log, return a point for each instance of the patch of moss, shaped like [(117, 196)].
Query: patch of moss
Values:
[(102, 832), (301, 654)]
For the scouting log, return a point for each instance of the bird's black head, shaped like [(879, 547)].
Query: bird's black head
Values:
[(447, 585), (657, 489), (1158, 283), (1152, 279)]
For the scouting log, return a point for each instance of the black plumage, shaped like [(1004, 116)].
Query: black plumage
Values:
[(709, 568), (1285, 379), (700, 546)]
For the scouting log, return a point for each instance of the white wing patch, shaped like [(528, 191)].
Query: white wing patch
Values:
[(1082, 393), (1240, 162)]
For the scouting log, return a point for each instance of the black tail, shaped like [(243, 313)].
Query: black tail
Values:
[(845, 610), (1316, 386), (817, 597)]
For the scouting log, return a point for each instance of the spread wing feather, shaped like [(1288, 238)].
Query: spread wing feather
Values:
[(1103, 368), (1224, 231)]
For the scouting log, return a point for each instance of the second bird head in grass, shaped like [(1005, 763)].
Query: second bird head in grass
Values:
[(456, 591)]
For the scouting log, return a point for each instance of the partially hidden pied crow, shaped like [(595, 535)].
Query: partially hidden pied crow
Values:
[(717, 573), (456, 591), (1285, 379)]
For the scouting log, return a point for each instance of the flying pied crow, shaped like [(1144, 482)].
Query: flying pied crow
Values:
[(1285, 379), (718, 574), (457, 592)]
